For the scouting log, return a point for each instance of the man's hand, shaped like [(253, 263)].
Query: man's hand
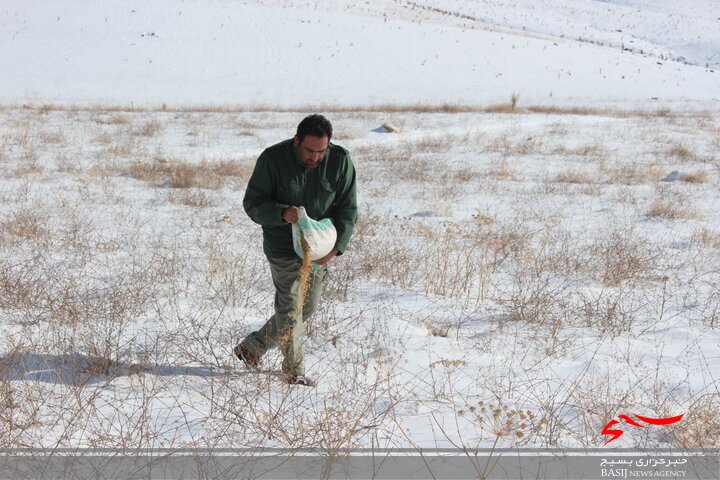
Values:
[(290, 214), (324, 260)]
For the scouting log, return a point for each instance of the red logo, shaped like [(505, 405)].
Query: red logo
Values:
[(651, 421)]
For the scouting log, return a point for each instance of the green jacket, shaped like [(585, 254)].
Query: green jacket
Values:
[(281, 180)]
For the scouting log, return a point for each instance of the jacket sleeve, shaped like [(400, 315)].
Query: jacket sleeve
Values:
[(258, 201), (346, 214)]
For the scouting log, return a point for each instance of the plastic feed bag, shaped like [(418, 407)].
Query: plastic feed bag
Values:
[(320, 235)]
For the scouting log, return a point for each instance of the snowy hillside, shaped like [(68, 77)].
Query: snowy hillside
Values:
[(283, 53), (665, 29)]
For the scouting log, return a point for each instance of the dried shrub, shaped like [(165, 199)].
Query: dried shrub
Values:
[(191, 197), (148, 129), (574, 177), (389, 257), (431, 144), (635, 174), (182, 174), (699, 176), (708, 238), (600, 398), (700, 427), (536, 298), (52, 138), (448, 274), (673, 208), (680, 151), (412, 168), (502, 170), (111, 119), (612, 311), (619, 255), (25, 224), (501, 421)]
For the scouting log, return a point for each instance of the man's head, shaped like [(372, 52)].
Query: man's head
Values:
[(312, 139)]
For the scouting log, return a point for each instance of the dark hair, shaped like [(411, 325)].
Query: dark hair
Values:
[(314, 125)]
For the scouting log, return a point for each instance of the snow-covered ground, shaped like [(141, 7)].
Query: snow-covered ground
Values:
[(515, 279), (285, 53)]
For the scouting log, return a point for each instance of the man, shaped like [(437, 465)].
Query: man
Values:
[(311, 172)]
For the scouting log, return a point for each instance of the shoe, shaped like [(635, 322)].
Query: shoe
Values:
[(250, 359), (296, 379)]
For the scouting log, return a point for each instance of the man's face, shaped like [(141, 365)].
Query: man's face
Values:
[(311, 150)]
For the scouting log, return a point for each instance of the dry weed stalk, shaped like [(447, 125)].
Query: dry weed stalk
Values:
[(619, 255), (708, 238), (501, 421)]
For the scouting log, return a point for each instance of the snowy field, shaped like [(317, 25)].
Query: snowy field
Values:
[(302, 53), (520, 274), (563, 266)]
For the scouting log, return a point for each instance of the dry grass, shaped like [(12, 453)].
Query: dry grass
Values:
[(621, 255), (680, 151), (673, 208), (536, 299), (28, 168), (700, 428), (666, 210), (24, 137), (417, 162), (52, 138), (432, 144), (611, 311), (599, 399), (593, 148), (537, 263), (25, 224), (551, 281), (503, 171), (191, 197), (182, 174), (510, 107), (120, 117), (148, 129), (699, 176), (387, 258), (574, 177), (103, 138), (346, 134), (44, 109), (611, 112), (462, 176), (453, 275), (662, 113), (708, 238), (123, 149), (635, 174)]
